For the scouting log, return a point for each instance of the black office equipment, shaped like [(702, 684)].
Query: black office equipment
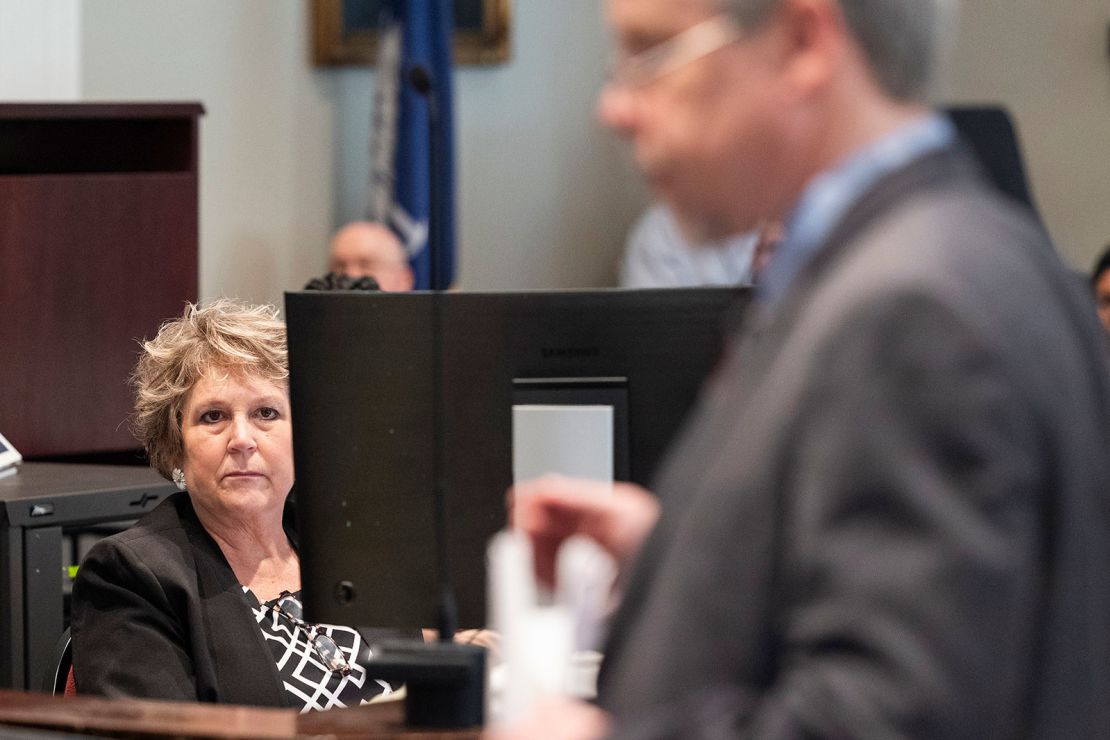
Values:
[(38, 505), (361, 387)]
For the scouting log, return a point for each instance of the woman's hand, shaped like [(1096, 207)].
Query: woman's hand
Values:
[(489, 639)]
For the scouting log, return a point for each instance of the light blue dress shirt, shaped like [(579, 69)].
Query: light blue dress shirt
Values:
[(826, 200)]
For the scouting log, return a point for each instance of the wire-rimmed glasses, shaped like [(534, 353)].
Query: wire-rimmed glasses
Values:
[(697, 41), (325, 646)]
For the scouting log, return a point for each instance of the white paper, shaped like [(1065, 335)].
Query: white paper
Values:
[(545, 648), (575, 441)]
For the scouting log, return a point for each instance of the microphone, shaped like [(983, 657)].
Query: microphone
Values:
[(445, 681), (447, 619), (420, 79)]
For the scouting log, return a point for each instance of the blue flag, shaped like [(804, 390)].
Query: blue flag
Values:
[(415, 33)]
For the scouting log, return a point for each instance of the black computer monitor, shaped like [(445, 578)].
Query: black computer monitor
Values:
[(361, 367)]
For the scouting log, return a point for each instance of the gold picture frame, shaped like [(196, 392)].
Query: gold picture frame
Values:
[(345, 32)]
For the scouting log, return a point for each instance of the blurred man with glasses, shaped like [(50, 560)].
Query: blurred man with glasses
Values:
[(889, 514)]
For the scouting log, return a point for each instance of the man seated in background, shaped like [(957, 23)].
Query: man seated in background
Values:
[(658, 256), (370, 249)]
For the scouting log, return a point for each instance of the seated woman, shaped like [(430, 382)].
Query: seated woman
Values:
[(199, 601)]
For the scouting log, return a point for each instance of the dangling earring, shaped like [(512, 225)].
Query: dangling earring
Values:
[(178, 476)]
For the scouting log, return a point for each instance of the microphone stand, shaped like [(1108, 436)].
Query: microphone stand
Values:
[(445, 681), (447, 621)]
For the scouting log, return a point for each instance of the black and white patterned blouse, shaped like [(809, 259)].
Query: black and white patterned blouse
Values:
[(306, 679)]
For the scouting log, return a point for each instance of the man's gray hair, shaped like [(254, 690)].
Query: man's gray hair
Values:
[(900, 38)]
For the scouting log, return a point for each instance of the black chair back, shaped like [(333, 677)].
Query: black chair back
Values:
[(54, 682), (990, 133)]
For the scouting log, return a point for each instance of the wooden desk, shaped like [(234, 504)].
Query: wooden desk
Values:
[(139, 717)]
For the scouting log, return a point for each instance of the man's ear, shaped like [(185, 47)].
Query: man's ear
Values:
[(815, 35)]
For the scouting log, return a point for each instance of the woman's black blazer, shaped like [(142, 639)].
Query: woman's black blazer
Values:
[(158, 613)]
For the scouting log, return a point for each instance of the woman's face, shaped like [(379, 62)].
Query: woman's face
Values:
[(238, 445)]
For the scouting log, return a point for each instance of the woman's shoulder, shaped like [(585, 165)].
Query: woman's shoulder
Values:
[(167, 521), (157, 554)]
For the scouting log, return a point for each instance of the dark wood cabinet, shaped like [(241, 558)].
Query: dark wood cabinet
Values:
[(98, 246)]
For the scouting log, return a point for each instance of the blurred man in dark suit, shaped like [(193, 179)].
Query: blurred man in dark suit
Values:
[(889, 515)]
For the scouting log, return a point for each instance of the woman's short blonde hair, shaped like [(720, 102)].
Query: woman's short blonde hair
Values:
[(223, 335)]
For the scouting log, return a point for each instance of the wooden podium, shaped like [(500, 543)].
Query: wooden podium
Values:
[(98, 246)]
